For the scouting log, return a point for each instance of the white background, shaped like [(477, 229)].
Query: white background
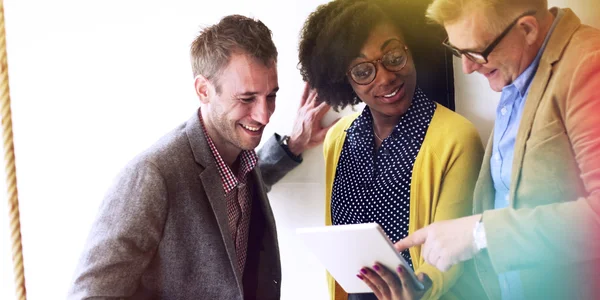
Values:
[(95, 82)]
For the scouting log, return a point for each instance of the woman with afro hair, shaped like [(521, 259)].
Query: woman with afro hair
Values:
[(404, 161)]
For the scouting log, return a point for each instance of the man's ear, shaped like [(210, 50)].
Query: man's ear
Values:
[(203, 88), (530, 27)]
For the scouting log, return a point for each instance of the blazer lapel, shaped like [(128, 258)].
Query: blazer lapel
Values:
[(556, 44), (213, 186), (263, 201), (532, 102)]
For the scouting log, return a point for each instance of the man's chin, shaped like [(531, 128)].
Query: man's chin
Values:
[(496, 86), (249, 144)]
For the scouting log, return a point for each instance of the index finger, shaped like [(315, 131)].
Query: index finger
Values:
[(417, 238)]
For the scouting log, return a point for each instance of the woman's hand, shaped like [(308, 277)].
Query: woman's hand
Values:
[(397, 285)]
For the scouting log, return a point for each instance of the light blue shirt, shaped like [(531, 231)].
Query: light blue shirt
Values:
[(508, 118)]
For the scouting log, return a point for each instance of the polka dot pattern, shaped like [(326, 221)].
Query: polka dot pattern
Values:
[(374, 185)]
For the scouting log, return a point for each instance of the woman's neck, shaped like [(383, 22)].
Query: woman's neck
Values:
[(384, 125)]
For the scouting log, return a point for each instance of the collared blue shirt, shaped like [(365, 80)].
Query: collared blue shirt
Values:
[(508, 117)]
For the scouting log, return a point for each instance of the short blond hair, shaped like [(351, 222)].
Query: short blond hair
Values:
[(499, 13)]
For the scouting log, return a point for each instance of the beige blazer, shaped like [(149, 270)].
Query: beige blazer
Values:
[(546, 232)]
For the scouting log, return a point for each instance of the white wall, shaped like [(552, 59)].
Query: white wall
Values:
[(477, 102), (95, 82)]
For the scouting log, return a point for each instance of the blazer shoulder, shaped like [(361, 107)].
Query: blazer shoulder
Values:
[(169, 153), (585, 41)]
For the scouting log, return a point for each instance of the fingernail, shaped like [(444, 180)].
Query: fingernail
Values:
[(400, 270), (363, 270), (360, 277), (376, 267)]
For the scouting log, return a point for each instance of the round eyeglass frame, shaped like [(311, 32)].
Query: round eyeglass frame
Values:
[(375, 62)]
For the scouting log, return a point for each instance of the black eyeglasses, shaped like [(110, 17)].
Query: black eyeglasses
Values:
[(393, 61), (482, 57)]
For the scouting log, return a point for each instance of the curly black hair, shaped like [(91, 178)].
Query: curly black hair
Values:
[(334, 34)]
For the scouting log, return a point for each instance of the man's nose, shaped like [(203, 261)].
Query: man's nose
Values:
[(469, 66), (261, 111)]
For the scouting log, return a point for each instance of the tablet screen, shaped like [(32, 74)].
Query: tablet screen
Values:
[(344, 249)]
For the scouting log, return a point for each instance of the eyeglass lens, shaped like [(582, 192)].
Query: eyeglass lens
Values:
[(393, 61)]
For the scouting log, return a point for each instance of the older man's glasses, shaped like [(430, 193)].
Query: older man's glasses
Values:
[(482, 57), (393, 61)]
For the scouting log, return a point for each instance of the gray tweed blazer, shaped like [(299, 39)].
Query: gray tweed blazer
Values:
[(162, 230)]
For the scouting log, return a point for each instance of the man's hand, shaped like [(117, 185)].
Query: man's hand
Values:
[(308, 131), (445, 243)]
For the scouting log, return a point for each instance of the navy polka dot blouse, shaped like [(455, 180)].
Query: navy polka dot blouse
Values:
[(374, 186)]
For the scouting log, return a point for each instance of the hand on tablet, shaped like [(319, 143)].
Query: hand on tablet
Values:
[(388, 285), (445, 243)]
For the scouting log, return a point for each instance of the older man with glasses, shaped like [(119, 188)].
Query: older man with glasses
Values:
[(537, 199)]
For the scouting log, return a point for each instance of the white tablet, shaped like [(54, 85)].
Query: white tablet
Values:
[(345, 249)]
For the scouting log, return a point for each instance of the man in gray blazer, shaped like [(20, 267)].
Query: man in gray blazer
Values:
[(189, 218)]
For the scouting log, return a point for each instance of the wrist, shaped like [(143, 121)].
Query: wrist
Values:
[(284, 142), (479, 236), (293, 145)]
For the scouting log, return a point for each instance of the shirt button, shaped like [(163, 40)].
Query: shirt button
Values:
[(506, 198), (497, 157), (503, 111)]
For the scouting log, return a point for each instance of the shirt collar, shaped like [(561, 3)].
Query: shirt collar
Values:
[(407, 125), (524, 80), (248, 160)]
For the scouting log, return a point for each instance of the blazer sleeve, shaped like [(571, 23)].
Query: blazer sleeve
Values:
[(455, 201), (125, 235), (274, 162), (514, 242)]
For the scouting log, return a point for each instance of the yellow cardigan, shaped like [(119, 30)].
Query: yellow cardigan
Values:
[(444, 175)]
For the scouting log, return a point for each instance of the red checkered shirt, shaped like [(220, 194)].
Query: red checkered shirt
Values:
[(239, 201)]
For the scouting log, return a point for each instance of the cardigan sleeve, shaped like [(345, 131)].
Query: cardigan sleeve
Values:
[(332, 148), (461, 161)]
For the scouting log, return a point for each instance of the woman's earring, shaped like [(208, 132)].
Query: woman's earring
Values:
[(354, 100)]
